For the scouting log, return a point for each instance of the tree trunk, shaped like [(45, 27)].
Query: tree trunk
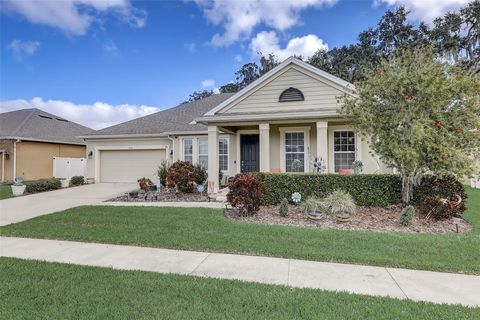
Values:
[(407, 187)]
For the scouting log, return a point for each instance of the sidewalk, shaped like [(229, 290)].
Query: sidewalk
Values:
[(416, 285)]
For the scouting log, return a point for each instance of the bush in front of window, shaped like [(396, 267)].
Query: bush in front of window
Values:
[(182, 175), (246, 193), (366, 189), (162, 172)]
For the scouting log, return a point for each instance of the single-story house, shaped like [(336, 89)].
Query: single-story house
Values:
[(276, 124), (30, 138)]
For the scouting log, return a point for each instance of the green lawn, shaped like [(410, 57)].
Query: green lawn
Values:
[(208, 230), (5, 191), (41, 290)]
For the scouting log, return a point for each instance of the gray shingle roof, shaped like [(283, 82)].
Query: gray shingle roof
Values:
[(175, 119), (37, 125)]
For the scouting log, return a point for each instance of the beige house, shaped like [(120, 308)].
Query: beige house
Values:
[(30, 138), (279, 123)]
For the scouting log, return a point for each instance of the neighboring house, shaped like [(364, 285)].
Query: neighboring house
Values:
[(290, 113), (30, 138)]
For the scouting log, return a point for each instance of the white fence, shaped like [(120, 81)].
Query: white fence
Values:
[(69, 167)]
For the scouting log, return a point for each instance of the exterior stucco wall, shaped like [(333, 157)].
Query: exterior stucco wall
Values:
[(35, 159), (319, 94), (7, 146), (95, 145)]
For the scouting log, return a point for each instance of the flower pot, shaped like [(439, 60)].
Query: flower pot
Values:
[(343, 217), (18, 190), (64, 182), (314, 215)]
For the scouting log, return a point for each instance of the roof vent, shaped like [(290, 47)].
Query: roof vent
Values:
[(291, 94), (60, 119), (45, 117)]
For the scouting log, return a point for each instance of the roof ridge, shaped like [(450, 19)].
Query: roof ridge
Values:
[(24, 121)]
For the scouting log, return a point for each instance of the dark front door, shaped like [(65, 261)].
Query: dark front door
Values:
[(250, 153)]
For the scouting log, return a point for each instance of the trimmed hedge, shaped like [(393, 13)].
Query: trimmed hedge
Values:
[(366, 189), (44, 185), (76, 181)]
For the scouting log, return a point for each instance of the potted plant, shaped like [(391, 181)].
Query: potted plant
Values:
[(313, 207), (18, 188), (340, 204)]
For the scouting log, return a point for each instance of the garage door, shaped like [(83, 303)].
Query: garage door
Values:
[(129, 165)]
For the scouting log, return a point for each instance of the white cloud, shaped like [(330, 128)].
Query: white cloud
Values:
[(98, 115), (240, 17), (208, 83), (110, 49), (267, 42), (426, 10), (21, 49), (74, 17)]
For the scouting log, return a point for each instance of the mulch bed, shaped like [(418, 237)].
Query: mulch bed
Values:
[(366, 218), (161, 196)]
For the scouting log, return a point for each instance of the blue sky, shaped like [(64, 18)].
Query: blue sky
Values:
[(102, 62)]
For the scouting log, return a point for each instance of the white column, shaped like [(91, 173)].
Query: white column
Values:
[(322, 142), (212, 159), (264, 147)]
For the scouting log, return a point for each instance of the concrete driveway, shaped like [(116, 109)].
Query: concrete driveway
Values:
[(26, 207)]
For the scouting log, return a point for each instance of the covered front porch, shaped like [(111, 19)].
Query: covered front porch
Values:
[(285, 147)]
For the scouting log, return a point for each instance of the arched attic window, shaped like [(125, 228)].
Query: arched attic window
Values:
[(291, 94)]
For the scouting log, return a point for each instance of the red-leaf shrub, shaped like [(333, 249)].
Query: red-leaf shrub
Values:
[(246, 192), (440, 198), (144, 183), (182, 175)]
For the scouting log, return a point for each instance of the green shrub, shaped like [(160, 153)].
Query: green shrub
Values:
[(339, 201), (284, 207), (201, 174), (44, 185), (162, 172), (408, 216), (440, 198), (76, 181), (182, 175), (246, 193), (366, 189)]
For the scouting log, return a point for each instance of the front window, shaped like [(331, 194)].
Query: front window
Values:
[(223, 154), (295, 151), (203, 152), (343, 149), (188, 150)]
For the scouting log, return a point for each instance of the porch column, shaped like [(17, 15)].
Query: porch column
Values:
[(212, 159), (322, 142), (264, 147)]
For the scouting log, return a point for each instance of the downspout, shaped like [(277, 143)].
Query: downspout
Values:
[(3, 166), (15, 160), (173, 147)]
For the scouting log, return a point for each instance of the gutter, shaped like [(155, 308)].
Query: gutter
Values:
[(268, 117), (146, 135), (41, 140)]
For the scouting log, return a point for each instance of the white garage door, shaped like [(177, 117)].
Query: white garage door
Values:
[(129, 165)]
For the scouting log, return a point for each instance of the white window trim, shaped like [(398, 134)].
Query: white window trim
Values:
[(228, 152), (198, 149), (195, 145), (306, 132), (355, 152)]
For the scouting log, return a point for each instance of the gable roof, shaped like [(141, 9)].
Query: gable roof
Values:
[(342, 84), (173, 120), (37, 125)]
